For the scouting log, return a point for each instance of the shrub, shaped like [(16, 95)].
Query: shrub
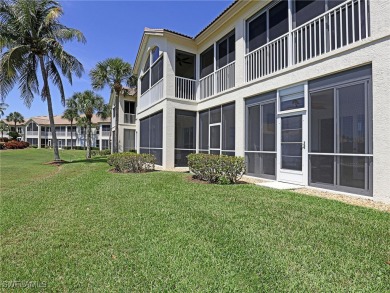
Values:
[(2, 145), (14, 144), (4, 139), (216, 169), (132, 162), (102, 153), (13, 134)]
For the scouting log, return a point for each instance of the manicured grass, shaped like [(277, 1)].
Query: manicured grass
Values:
[(85, 229)]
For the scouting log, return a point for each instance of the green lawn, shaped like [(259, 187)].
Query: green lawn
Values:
[(81, 228)]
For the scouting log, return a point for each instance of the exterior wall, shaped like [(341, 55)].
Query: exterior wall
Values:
[(372, 50)]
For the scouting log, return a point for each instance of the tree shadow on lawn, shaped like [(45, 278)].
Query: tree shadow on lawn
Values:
[(89, 161)]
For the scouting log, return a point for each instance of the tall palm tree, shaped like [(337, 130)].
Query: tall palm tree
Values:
[(3, 107), (15, 117), (33, 39), (88, 104), (71, 115), (113, 72)]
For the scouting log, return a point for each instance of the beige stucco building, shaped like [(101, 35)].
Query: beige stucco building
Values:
[(298, 88)]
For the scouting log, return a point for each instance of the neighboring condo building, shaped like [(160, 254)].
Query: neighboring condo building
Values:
[(36, 131), (298, 88), (127, 133)]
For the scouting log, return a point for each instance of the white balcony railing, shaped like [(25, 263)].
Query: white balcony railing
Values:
[(206, 85), (32, 132), (225, 77), (61, 133), (154, 94), (106, 133), (267, 59), (129, 118), (185, 88), (345, 24)]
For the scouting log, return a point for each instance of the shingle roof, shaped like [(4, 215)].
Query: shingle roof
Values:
[(58, 120)]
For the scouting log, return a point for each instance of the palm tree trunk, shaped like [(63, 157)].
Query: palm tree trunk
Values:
[(49, 109), (89, 139), (85, 138), (116, 138), (71, 134)]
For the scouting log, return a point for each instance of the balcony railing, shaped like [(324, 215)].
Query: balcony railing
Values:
[(106, 133), (206, 86), (225, 77), (154, 94), (267, 59), (185, 88), (345, 24), (129, 118), (61, 133), (32, 132), (218, 81)]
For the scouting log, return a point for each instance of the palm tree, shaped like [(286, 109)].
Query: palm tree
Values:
[(88, 104), (3, 107), (33, 38), (71, 114), (113, 72), (15, 117)]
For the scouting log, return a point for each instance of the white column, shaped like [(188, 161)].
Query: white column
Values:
[(240, 53), (169, 136), (39, 136)]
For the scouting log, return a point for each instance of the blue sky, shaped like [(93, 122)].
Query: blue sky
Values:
[(114, 29)]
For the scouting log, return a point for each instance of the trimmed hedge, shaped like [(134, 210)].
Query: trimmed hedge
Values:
[(132, 162), (14, 144), (216, 169)]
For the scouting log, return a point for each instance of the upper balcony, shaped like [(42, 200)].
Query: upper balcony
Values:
[(279, 36), (276, 40)]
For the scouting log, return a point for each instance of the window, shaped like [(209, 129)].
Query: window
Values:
[(129, 140), (341, 131), (155, 54), (226, 50), (185, 136), (217, 130), (207, 62), (97, 143), (269, 24), (151, 136), (260, 148), (106, 128), (145, 80), (106, 144), (129, 113), (292, 98), (32, 127), (185, 65), (157, 71), (153, 71)]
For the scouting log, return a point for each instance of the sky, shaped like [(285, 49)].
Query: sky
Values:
[(114, 29)]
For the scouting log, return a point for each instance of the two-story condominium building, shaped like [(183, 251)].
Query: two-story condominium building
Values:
[(126, 121), (36, 131), (298, 88)]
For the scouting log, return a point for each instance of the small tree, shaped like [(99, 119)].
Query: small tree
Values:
[(16, 118), (3, 128), (71, 115), (89, 103)]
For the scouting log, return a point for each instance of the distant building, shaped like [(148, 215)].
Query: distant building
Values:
[(36, 131)]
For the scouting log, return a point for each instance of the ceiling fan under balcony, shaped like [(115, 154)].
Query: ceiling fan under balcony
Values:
[(183, 60)]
